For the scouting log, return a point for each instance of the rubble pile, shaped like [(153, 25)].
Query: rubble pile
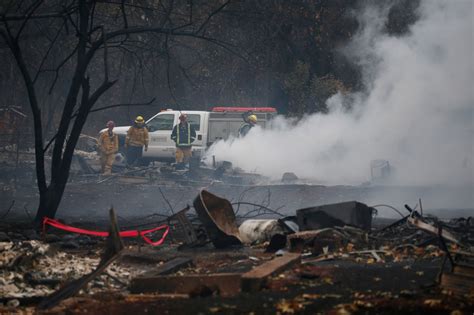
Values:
[(359, 246), (328, 257)]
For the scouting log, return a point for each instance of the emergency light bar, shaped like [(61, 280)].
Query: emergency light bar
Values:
[(245, 109)]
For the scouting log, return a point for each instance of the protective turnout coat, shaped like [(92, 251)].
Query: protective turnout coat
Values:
[(183, 134), (137, 136), (108, 144)]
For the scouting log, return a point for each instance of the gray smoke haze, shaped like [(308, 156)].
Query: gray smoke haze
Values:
[(417, 113)]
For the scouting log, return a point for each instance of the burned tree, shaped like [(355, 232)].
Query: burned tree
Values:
[(85, 36)]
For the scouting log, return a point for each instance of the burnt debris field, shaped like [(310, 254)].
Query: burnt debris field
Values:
[(236, 157), (211, 246)]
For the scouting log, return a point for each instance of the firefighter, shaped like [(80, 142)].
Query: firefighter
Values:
[(249, 122), (108, 146), (136, 140), (183, 135)]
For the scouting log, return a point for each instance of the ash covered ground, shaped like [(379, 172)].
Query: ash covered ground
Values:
[(339, 270)]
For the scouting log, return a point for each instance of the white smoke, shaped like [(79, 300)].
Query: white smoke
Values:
[(417, 113)]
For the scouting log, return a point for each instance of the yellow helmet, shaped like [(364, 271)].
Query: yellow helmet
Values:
[(252, 118), (139, 120)]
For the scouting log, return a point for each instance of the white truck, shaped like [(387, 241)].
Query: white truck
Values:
[(210, 126)]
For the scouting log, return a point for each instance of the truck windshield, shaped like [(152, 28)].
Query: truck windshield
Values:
[(161, 122), (195, 121)]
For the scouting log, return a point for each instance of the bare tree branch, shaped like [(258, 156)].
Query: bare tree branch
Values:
[(33, 100), (131, 5), (124, 14), (4, 215), (191, 4), (33, 17), (8, 29), (49, 143), (101, 90), (35, 6), (77, 81), (170, 32), (66, 11), (168, 79), (58, 68), (91, 27), (118, 105), (47, 52), (106, 64), (209, 17)]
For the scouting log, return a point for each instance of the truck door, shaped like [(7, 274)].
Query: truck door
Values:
[(160, 127), (196, 121)]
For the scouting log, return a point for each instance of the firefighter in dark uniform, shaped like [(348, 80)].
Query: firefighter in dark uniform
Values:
[(183, 135)]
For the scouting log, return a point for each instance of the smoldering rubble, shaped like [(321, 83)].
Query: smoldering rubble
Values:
[(331, 257)]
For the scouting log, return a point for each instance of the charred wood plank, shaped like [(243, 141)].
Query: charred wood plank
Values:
[(168, 267), (464, 270), (457, 283), (435, 230), (254, 279), (223, 284)]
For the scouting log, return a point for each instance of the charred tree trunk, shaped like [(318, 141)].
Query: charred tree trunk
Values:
[(49, 202)]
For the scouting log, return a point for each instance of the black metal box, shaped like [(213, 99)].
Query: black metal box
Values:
[(338, 214)]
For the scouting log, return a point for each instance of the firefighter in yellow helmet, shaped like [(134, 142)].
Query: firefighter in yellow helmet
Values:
[(183, 135), (108, 146), (249, 122), (136, 140)]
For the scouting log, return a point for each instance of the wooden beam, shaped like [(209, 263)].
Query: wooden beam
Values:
[(254, 279), (223, 284), (464, 270), (430, 228), (168, 267), (458, 284)]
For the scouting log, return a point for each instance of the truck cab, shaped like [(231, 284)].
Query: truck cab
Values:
[(210, 126), (161, 125)]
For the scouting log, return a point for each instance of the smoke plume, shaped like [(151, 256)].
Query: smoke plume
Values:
[(417, 111)]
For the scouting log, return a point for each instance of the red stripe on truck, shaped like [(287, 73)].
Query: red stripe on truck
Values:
[(245, 109)]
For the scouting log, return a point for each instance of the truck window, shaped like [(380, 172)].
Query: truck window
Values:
[(195, 121), (161, 122)]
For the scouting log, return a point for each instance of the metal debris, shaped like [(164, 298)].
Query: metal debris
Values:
[(258, 231), (218, 218), (328, 257), (338, 214), (187, 228)]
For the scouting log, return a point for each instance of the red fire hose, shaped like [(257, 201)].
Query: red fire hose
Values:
[(131, 233)]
